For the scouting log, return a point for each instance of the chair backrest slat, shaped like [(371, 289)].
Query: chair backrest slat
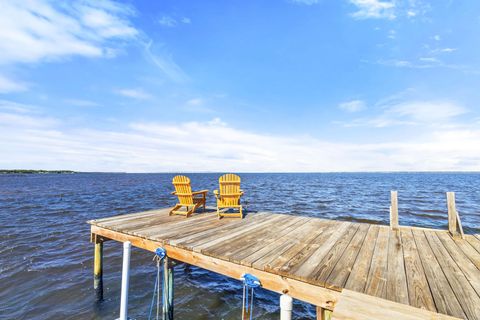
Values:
[(230, 189), (183, 189)]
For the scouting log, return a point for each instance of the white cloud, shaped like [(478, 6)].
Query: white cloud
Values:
[(389, 9), (376, 9), (168, 21), (422, 113), (32, 31), (352, 106), (8, 85), (443, 50), (135, 93), (165, 63), (36, 141), (437, 37), (426, 63)]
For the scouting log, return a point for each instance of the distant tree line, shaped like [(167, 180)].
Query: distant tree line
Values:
[(25, 171)]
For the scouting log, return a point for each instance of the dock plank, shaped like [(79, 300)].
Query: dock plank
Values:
[(469, 269), (359, 274), (459, 283), (262, 240), (418, 289), (327, 264), (356, 306), (340, 273), (225, 249), (445, 300), (273, 244), (304, 262), (474, 242), (188, 241), (377, 276), (396, 277), (279, 248)]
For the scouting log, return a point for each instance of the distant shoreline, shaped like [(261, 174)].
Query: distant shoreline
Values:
[(27, 171)]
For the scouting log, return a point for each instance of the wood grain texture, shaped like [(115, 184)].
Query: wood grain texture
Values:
[(315, 259), (360, 269), (396, 277), (357, 306), (463, 290), (419, 293), (445, 300)]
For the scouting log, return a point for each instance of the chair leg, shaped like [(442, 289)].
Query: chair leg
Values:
[(241, 213), (177, 206)]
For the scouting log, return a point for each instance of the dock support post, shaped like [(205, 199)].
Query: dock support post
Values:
[(453, 216), (286, 307), (98, 269), (167, 309), (394, 210), (127, 246), (323, 314)]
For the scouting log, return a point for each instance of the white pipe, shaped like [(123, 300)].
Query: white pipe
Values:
[(286, 306), (125, 279)]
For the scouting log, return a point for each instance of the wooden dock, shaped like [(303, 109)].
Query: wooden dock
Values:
[(356, 270)]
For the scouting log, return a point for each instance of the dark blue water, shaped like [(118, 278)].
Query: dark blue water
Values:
[(46, 258)]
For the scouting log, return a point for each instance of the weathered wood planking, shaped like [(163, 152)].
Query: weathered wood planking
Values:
[(313, 259)]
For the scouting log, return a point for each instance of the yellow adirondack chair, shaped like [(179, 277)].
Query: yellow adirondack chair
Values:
[(186, 198), (229, 195)]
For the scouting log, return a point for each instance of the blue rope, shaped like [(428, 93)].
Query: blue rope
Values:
[(160, 253), (154, 294), (250, 282)]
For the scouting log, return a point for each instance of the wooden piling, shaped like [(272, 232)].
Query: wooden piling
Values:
[(454, 223), (394, 210), (452, 214), (98, 269), (323, 314)]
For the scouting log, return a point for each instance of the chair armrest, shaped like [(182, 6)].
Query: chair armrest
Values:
[(200, 192)]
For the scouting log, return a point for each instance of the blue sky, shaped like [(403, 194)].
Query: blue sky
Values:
[(151, 86)]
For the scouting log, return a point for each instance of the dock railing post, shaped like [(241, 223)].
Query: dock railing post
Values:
[(167, 310), (98, 268), (286, 307), (127, 246), (453, 216), (394, 210)]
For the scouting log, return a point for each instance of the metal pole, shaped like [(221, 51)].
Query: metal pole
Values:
[(167, 289), (125, 280), (286, 307), (98, 270)]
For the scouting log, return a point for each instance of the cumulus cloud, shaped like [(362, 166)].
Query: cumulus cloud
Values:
[(37, 141), (33, 31)]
